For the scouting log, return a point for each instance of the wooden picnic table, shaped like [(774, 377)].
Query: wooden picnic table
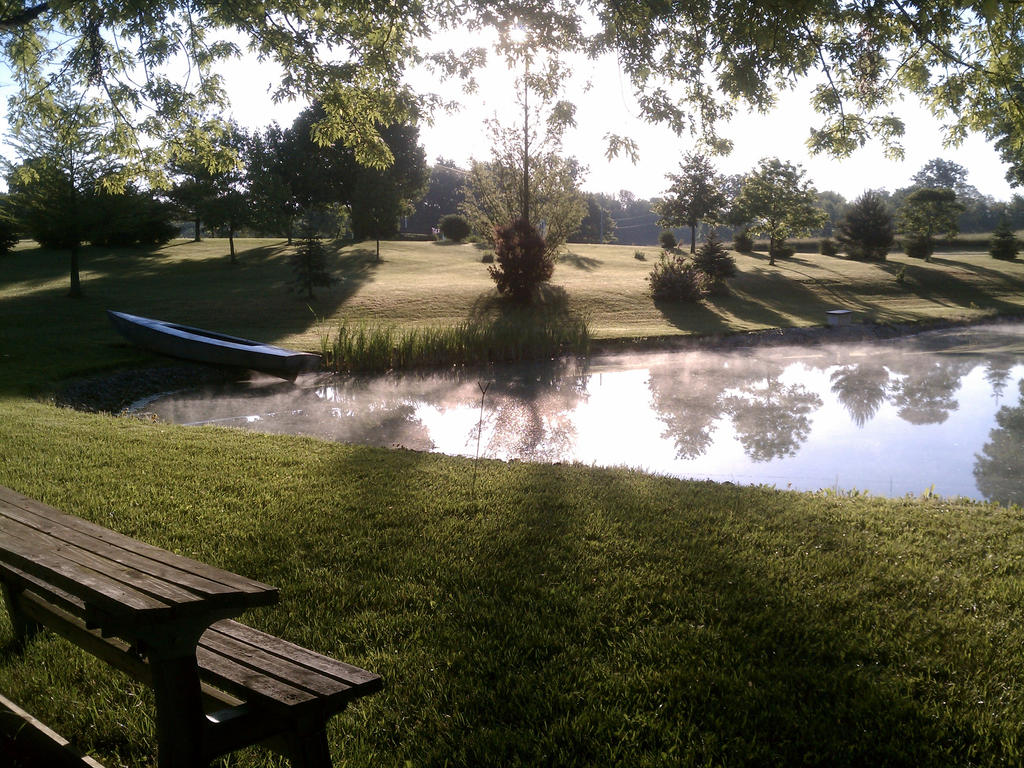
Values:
[(157, 602)]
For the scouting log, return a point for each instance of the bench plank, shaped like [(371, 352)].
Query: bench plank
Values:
[(276, 667), (39, 560), (346, 673), (156, 554), (130, 579), (63, 532)]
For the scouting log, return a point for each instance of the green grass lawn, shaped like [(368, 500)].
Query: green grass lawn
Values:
[(557, 615)]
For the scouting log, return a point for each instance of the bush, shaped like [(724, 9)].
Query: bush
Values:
[(714, 261), (8, 233), (782, 251), (675, 279), (828, 247), (488, 258), (639, 256), (867, 230), (742, 242), (522, 260), (667, 240), (130, 218), (455, 227), (1004, 244), (919, 247)]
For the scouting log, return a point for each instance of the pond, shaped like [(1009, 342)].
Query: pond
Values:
[(938, 412)]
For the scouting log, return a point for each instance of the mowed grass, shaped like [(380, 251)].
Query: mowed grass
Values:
[(537, 615)]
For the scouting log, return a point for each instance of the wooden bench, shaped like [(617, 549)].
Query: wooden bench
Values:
[(164, 620)]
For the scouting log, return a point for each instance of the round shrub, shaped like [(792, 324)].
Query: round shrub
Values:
[(782, 251), (522, 260), (667, 240), (488, 258), (742, 242), (918, 247), (455, 227), (675, 279), (828, 247)]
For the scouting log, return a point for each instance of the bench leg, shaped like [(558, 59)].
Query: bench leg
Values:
[(24, 628), (308, 749), (180, 721)]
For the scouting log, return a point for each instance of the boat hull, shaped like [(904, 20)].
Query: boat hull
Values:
[(188, 343)]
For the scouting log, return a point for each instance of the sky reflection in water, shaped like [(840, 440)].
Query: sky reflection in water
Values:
[(940, 411)]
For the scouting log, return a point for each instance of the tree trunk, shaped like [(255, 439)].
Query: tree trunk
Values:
[(76, 282), (693, 238), (197, 238), (231, 243), (771, 251), (378, 247)]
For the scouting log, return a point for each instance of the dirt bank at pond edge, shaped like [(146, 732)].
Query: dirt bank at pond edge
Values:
[(113, 393)]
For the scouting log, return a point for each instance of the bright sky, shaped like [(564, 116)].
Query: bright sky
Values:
[(609, 107)]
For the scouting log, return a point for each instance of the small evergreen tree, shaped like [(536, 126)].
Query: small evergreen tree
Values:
[(668, 240), (522, 260), (713, 259), (867, 230), (455, 227), (1004, 244), (309, 264)]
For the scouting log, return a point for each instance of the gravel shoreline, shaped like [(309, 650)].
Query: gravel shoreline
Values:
[(115, 392)]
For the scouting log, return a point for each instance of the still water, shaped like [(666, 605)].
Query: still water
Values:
[(940, 411)]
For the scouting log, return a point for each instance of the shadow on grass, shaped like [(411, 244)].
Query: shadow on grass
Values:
[(587, 263), (580, 613)]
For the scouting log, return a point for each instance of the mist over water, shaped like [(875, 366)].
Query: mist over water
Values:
[(941, 411)]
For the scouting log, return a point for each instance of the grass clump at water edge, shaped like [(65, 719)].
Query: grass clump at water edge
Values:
[(524, 333)]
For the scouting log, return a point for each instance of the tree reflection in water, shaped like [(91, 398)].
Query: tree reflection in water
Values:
[(771, 419), (530, 416), (925, 393), (999, 468), (687, 397), (861, 388)]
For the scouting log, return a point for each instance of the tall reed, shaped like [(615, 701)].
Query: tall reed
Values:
[(361, 347)]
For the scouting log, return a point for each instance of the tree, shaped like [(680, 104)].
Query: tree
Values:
[(379, 197), (597, 225), (444, 197), (64, 162), (776, 201), (130, 217), (924, 214), (694, 196), (494, 192), (867, 230)]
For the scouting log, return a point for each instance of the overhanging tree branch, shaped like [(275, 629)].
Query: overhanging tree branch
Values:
[(24, 17)]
